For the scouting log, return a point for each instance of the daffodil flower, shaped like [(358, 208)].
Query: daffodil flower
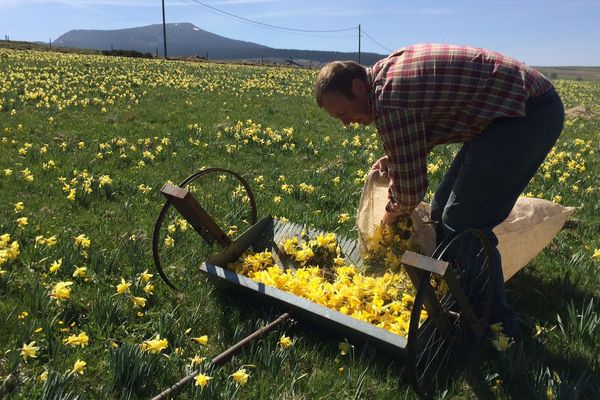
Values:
[(155, 345), (123, 287), (79, 367), (285, 342), (203, 340), (202, 380), (240, 376), (29, 350)]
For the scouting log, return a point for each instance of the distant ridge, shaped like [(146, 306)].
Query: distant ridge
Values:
[(187, 40)]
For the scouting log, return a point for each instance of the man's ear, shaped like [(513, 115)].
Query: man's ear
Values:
[(359, 87)]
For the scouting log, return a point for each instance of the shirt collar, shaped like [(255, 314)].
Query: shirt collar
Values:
[(371, 95)]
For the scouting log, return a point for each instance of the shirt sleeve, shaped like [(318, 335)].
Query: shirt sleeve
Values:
[(403, 136)]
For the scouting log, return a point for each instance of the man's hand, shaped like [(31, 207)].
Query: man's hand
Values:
[(381, 165), (390, 217)]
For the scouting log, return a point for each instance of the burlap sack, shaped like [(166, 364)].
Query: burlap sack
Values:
[(530, 227)]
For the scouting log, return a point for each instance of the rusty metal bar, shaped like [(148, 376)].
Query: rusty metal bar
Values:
[(221, 358), (193, 212), (432, 303), (463, 303)]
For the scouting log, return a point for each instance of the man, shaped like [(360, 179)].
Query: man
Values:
[(506, 114)]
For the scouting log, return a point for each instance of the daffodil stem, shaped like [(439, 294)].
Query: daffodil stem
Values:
[(222, 358)]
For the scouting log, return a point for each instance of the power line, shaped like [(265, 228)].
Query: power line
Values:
[(375, 41), (272, 26), (303, 32), (335, 35)]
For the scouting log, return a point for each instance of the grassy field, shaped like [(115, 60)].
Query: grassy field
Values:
[(87, 142)]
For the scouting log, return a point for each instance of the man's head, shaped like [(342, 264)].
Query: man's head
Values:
[(341, 89)]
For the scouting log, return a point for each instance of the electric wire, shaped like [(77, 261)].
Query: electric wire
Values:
[(273, 26), (294, 30), (375, 41)]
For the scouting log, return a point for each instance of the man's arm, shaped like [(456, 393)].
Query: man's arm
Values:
[(403, 135)]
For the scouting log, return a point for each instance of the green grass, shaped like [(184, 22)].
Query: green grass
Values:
[(122, 103)]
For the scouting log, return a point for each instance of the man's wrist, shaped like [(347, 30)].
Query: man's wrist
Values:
[(391, 207)]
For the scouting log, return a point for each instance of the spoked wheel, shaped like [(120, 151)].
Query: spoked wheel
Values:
[(442, 337), (179, 248)]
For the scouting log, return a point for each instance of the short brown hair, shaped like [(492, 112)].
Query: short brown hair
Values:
[(337, 77)]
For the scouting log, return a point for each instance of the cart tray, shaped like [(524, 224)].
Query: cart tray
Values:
[(264, 235)]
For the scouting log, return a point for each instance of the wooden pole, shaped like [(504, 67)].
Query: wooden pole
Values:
[(221, 358), (359, 43), (164, 28)]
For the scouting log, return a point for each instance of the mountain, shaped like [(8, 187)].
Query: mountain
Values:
[(187, 40)]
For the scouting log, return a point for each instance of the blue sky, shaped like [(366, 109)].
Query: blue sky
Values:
[(537, 32)]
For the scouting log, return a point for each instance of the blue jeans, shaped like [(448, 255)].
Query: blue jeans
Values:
[(487, 176)]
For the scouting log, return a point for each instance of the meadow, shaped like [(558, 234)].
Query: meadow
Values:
[(86, 144)]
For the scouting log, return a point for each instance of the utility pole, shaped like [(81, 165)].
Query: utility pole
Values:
[(359, 43), (164, 28)]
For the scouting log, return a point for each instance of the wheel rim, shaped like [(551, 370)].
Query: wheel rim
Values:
[(439, 343), (227, 198)]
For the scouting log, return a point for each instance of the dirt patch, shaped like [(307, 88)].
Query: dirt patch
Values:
[(579, 112)]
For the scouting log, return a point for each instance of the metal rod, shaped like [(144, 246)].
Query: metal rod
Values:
[(221, 358)]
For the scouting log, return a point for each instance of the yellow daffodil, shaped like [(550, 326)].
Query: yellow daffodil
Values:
[(19, 206), (149, 288), (145, 276), (51, 241), (123, 287), (29, 350), (104, 180), (61, 291), (502, 342), (138, 301), (496, 328), (80, 272), (82, 241), (77, 340), (155, 345), (240, 376), (43, 377), (343, 218), (196, 360), (285, 342), (202, 380), (344, 348), (55, 266), (203, 340), (79, 367)]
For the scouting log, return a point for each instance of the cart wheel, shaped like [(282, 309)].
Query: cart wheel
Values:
[(177, 248), (437, 344)]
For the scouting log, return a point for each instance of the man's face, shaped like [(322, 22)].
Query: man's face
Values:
[(348, 111)]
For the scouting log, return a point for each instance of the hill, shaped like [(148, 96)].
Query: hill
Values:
[(572, 73), (187, 40)]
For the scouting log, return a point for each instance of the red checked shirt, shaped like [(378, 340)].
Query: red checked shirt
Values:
[(430, 94)]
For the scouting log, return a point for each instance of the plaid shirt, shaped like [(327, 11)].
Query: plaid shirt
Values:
[(429, 94)]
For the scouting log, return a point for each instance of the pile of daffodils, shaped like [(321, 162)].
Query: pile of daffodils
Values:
[(322, 275), (387, 244)]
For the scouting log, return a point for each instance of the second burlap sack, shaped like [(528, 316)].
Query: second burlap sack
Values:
[(530, 227)]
